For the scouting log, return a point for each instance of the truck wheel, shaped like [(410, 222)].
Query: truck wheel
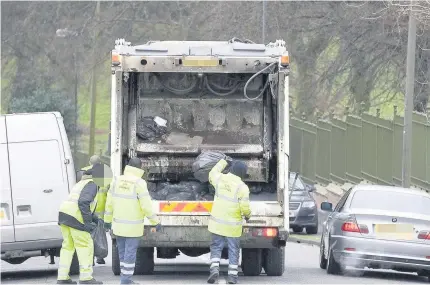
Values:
[(144, 261), (312, 230), (74, 267), (116, 267), (252, 261), (274, 261)]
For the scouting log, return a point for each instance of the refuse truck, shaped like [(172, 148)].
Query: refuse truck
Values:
[(173, 100)]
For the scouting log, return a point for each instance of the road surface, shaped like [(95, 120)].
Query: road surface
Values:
[(301, 268)]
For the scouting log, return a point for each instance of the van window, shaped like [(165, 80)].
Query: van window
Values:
[(39, 162)]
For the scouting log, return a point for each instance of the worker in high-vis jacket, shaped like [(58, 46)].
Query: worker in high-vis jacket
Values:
[(128, 203), (230, 206), (101, 198), (76, 222)]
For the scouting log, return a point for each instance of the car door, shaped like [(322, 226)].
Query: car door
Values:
[(332, 218), (38, 175), (6, 208)]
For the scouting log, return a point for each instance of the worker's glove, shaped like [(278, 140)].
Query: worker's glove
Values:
[(89, 227), (107, 226), (228, 159), (247, 219), (95, 219), (158, 228)]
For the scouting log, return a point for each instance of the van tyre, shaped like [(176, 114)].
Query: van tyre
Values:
[(116, 267), (144, 261), (252, 261), (297, 229), (333, 267), (312, 230), (274, 261), (74, 267)]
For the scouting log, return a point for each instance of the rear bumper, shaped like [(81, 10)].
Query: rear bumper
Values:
[(188, 236), (364, 252)]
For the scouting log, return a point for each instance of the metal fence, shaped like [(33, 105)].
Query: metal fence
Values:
[(353, 149), (359, 148)]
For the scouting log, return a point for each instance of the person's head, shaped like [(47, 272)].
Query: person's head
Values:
[(135, 162), (239, 168), (94, 159)]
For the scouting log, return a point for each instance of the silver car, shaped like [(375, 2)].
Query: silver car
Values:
[(379, 227)]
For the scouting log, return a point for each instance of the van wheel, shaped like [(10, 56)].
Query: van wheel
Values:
[(74, 267), (144, 261), (312, 230), (252, 261), (297, 229), (116, 268), (274, 261)]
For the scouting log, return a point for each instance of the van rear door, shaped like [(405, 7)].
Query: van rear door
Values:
[(38, 174), (6, 208)]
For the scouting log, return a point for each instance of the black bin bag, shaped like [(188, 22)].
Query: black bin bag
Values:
[(100, 240), (204, 164)]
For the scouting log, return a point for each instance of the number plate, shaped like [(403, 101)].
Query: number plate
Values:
[(395, 231)]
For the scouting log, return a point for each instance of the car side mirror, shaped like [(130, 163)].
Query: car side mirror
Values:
[(310, 188), (326, 206)]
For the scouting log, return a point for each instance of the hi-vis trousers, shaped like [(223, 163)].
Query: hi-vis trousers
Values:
[(82, 242)]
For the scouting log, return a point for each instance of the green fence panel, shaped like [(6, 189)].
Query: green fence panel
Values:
[(428, 156), (308, 155), (369, 150), (397, 150), (353, 149), (323, 151), (295, 144), (384, 145), (419, 170), (338, 151)]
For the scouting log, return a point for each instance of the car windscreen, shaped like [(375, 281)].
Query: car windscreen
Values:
[(298, 184), (391, 201)]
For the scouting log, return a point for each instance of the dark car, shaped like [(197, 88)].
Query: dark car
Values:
[(303, 209)]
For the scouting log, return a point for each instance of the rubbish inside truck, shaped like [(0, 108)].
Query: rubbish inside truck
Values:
[(197, 112)]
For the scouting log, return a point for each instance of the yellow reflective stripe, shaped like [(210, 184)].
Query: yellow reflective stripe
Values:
[(119, 221), (226, 222)]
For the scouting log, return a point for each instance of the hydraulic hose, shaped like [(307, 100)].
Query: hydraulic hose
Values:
[(254, 76)]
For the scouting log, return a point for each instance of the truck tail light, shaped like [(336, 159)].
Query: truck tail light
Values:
[(424, 235), (353, 227), (265, 232)]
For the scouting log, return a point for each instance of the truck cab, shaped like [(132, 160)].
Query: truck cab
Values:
[(227, 96)]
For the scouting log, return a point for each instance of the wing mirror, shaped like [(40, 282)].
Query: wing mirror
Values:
[(326, 206), (310, 188)]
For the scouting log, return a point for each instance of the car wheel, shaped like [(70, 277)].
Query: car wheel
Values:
[(333, 267), (297, 229), (312, 230), (323, 260), (252, 261)]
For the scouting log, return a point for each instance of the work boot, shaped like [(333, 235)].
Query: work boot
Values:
[(232, 279), (213, 276), (68, 281), (92, 281), (100, 261)]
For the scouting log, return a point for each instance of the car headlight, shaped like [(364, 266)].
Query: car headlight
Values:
[(308, 204)]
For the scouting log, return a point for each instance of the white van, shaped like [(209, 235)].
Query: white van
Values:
[(37, 173)]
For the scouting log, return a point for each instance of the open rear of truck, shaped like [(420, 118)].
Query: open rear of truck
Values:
[(227, 96)]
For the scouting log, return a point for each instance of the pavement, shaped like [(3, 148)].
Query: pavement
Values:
[(301, 268)]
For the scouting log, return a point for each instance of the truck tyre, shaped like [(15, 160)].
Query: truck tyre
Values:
[(312, 230), (116, 267), (74, 267), (274, 261), (144, 261), (252, 261)]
